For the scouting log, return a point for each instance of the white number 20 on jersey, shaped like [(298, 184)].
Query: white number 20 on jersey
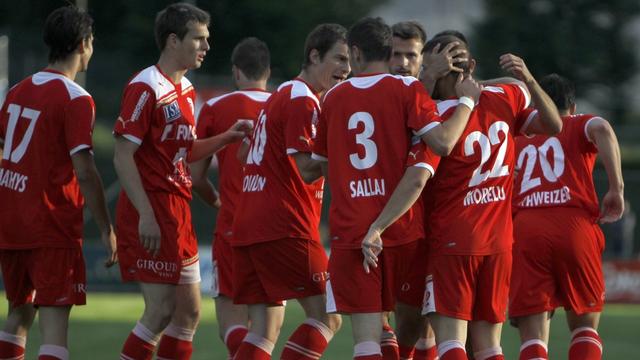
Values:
[(256, 152), (551, 173), (15, 113)]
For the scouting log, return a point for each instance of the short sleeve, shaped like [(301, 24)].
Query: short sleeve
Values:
[(582, 136), (420, 155), (320, 151), (300, 129), (136, 113), (523, 120), (205, 125), (79, 118), (422, 112), (517, 96)]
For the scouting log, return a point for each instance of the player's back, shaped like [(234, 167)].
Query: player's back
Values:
[(472, 188), (369, 121), (556, 171), (218, 115), (45, 119)]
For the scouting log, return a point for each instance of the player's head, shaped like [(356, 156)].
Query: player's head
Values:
[(67, 31), (561, 91), (369, 41), (326, 55), (455, 33), (468, 66), (408, 40), (251, 61), (181, 31)]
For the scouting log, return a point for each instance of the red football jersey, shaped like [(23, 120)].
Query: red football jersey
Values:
[(45, 119), (158, 115), (365, 134), (470, 211), (275, 202), (216, 116), (556, 171)]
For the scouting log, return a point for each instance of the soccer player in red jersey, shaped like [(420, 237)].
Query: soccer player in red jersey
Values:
[(277, 253), (472, 190), (251, 68), (47, 174), (558, 243), (365, 134), (155, 140)]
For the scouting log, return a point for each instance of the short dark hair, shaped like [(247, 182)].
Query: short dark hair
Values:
[(322, 38), (65, 28), (560, 89), (251, 56), (455, 33), (174, 19), (373, 37), (409, 30), (445, 40)]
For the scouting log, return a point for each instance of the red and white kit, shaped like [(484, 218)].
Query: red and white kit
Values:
[(470, 209), (365, 134), (277, 208), (158, 115), (45, 119), (558, 244), (216, 116)]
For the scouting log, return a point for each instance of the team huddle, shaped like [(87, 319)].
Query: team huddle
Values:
[(455, 203)]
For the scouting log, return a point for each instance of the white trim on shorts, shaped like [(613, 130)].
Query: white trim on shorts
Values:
[(190, 274)]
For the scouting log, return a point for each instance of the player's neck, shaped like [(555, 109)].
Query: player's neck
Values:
[(171, 68), (312, 80), (68, 68), (246, 85), (445, 89), (374, 67)]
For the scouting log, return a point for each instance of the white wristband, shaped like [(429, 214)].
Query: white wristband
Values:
[(467, 101)]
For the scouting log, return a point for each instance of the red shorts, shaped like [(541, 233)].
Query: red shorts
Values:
[(351, 290), (44, 276), (222, 256), (412, 288), (468, 287), (557, 262), (177, 261), (273, 271)]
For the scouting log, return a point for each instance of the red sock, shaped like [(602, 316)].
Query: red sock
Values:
[(53, 352), (176, 343), (585, 344), (452, 350), (233, 338), (367, 350), (533, 349), (140, 344), (405, 352), (308, 341), (254, 347), (426, 349), (389, 344), (12, 346)]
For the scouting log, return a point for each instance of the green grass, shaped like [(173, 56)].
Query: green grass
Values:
[(98, 330)]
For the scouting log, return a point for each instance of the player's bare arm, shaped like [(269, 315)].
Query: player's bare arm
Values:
[(205, 147), (548, 120), (129, 177), (444, 137), (603, 136), (438, 63), (309, 169), (403, 197), (201, 183), (243, 150)]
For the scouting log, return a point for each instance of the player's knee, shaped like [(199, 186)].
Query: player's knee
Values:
[(334, 322), (190, 316)]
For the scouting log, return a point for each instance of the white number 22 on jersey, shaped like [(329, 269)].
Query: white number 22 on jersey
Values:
[(551, 173), (485, 143), (15, 113), (256, 152), (364, 139)]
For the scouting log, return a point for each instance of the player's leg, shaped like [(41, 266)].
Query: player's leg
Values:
[(366, 329), (264, 329), (451, 336), (13, 337), (409, 321), (534, 335), (426, 345), (177, 337), (54, 323), (485, 340), (388, 339), (585, 341), (233, 322)]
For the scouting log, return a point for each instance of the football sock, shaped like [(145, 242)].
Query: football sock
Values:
[(367, 350), (426, 349), (233, 338), (405, 352), (585, 344), (140, 344), (533, 349), (452, 350), (53, 352), (389, 344), (12, 346), (176, 343), (254, 347), (308, 341)]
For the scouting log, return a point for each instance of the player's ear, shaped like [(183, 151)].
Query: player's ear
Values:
[(172, 41), (572, 109), (472, 65), (236, 73), (354, 54), (314, 56)]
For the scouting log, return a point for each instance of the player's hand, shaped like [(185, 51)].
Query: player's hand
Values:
[(467, 86), (238, 131), (516, 66), (371, 248), (612, 207), (150, 234), (439, 63), (109, 240)]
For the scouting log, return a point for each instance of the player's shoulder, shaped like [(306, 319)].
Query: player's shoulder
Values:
[(371, 81), (44, 78), (152, 79), (506, 92), (297, 89), (239, 96)]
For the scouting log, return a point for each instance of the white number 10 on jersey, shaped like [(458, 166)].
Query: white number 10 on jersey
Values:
[(15, 113)]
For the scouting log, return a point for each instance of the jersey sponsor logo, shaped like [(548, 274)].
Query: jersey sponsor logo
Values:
[(414, 154), (485, 195), (13, 180), (253, 183), (314, 123), (161, 268), (320, 276), (553, 197), (179, 132), (367, 187), (139, 106), (171, 111)]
